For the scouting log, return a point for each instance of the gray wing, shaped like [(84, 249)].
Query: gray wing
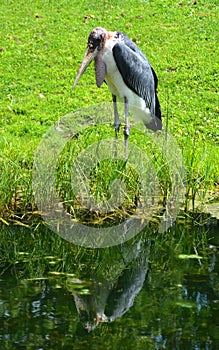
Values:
[(136, 72)]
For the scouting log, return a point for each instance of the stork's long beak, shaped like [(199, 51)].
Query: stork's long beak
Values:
[(88, 58)]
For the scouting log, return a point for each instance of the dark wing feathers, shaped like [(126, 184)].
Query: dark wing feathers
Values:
[(157, 103), (137, 73)]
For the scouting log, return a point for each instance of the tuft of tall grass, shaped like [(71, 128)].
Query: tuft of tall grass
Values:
[(111, 187), (202, 174), (15, 187)]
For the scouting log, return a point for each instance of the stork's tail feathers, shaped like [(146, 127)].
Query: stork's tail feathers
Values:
[(156, 122), (157, 108)]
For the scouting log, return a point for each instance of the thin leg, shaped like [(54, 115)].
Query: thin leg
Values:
[(127, 126), (116, 117), (116, 127)]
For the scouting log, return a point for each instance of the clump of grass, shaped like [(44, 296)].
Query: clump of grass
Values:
[(95, 182), (201, 174), (109, 188), (15, 186)]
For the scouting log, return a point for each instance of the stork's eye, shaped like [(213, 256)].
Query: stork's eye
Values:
[(100, 37)]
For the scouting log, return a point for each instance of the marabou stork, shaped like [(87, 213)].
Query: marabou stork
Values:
[(128, 74)]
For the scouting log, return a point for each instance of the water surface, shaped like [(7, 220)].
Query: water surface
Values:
[(153, 292)]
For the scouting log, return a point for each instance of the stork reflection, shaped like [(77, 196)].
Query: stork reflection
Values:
[(116, 281)]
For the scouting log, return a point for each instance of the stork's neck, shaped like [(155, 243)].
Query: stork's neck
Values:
[(111, 40), (117, 36), (111, 35)]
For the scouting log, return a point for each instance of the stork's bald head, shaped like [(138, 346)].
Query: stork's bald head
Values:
[(96, 42)]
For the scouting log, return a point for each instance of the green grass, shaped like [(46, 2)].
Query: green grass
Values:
[(41, 46)]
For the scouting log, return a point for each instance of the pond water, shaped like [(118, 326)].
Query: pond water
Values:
[(152, 292)]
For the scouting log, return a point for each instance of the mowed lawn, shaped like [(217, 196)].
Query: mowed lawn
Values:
[(41, 47)]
